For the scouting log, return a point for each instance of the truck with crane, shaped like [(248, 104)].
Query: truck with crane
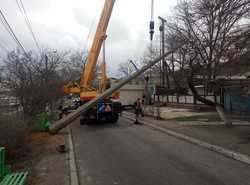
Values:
[(109, 108), (84, 86)]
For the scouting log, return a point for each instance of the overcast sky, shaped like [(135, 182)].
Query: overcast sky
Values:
[(65, 25)]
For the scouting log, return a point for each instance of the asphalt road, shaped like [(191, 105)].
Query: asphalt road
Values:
[(121, 154)]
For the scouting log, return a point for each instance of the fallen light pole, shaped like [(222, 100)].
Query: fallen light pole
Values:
[(54, 128)]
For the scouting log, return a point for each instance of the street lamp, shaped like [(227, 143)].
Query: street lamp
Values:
[(151, 24), (46, 81), (164, 67)]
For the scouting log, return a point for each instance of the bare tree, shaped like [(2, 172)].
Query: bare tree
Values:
[(73, 67), (32, 79), (125, 69), (154, 73), (176, 63), (218, 32)]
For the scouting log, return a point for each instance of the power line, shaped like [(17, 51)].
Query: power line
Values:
[(84, 48), (31, 30), (10, 31), (26, 19), (6, 27)]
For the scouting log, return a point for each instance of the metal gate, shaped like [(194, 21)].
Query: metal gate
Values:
[(237, 103)]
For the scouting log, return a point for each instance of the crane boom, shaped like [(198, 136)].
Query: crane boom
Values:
[(100, 36)]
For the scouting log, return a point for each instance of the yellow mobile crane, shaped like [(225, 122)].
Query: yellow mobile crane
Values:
[(108, 109)]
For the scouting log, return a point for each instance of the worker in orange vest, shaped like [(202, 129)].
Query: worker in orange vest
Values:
[(139, 107)]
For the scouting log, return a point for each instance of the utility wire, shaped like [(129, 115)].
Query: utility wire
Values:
[(26, 19), (6, 27), (88, 35), (11, 32)]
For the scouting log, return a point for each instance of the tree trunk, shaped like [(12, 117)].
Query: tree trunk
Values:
[(223, 116), (218, 107)]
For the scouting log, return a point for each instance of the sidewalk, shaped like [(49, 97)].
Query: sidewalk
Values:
[(214, 132), (54, 167)]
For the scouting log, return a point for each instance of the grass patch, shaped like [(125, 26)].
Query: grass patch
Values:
[(197, 118)]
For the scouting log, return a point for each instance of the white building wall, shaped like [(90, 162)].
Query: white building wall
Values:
[(130, 93)]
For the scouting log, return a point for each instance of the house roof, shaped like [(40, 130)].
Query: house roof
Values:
[(229, 82)]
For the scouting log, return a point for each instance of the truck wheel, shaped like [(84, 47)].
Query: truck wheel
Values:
[(82, 122), (114, 118)]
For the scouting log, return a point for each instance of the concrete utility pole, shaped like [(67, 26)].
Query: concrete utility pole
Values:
[(164, 65), (54, 128), (47, 84), (146, 93), (47, 87), (152, 24)]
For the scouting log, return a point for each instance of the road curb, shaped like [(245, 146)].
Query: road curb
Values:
[(72, 162), (229, 153)]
